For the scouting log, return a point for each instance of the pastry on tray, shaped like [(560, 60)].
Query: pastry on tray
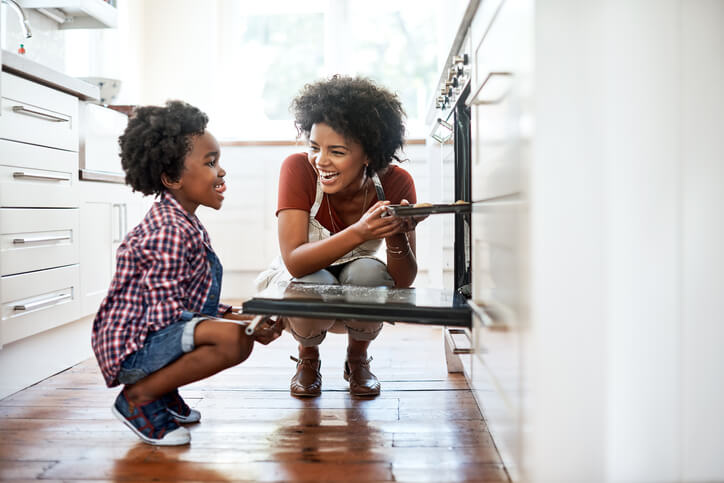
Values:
[(423, 209)]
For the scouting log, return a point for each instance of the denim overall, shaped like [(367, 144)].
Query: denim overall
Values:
[(211, 307)]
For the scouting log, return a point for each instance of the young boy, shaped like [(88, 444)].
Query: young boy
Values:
[(158, 327)]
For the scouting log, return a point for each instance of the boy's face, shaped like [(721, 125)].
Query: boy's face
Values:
[(202, 180)]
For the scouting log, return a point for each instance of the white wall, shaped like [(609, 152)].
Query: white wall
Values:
[(46, 46)]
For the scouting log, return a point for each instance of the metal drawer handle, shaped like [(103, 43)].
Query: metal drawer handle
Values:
[(122, 221), (455, 348), (22, 174), (487, 321), (500, 82), (39, 114), (20, 241), (40, 303)]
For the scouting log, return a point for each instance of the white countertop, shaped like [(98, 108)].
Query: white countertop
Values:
[(29, 69)]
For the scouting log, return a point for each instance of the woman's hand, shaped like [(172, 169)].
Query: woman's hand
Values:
[(374, 226), (410, 222)]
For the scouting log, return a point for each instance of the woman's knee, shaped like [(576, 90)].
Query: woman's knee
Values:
[(308, 332), (366, 272), (363, 331), (321, 276)]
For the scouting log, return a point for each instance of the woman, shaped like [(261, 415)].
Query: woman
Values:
[(330, 215)]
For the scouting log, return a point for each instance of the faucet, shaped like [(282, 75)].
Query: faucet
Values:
[(24, 24)]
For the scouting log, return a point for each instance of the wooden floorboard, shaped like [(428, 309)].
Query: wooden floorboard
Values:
[(425, 426)]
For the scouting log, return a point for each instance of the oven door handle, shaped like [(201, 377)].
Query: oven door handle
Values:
[(495, 86), (446, 125)]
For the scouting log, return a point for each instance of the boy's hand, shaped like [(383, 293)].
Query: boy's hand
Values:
[(268, 330), (265, 332)]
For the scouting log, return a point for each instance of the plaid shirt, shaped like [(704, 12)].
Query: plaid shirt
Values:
[(162, 276)]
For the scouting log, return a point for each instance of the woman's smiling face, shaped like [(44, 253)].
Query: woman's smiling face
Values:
[(339, 162)]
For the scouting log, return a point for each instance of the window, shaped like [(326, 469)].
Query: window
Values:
[(270, 51)]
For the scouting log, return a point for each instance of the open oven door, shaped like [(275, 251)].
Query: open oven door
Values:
[(448, 308), (412, 305)]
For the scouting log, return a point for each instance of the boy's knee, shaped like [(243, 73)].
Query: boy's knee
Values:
[(237, 349)]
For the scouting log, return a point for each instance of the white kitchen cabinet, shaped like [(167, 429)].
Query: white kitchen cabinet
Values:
[(597, 234), (35, 176), (40, 226), (78, 14), (501, 42), (496, 379), (38, 208), (39, 234), (36, 301), (31, 240), (36, 114), (107, 212)]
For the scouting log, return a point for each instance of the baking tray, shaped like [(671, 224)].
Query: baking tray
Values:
[(412, 210)]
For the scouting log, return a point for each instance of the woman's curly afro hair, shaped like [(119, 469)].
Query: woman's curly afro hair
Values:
[(359, 110), (156, 141)]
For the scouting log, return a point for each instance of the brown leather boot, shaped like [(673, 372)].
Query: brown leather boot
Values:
[(307, 382), (361, 380)]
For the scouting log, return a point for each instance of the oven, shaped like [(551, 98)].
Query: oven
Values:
[(445, 306)]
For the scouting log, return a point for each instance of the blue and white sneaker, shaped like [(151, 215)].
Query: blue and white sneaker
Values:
[(178, 408), (151, 422)]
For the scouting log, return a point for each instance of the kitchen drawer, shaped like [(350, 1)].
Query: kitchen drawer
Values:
[(37, 301), (505, 46), (497, 383), (479, 26), (499, 257), (34, 176), (498, 152), (35, 114), (501, 103), (35, 239)]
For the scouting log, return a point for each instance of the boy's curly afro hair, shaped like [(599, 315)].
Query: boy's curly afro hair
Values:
[(157, 140), (359, 110)]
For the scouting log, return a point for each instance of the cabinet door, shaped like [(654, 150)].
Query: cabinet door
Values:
[(98, 222), (107, 213)]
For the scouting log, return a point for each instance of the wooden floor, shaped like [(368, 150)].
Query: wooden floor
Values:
[(425, 426)]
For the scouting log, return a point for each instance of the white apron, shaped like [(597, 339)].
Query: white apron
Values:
[(277, 271)]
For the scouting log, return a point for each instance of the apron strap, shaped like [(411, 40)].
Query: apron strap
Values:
[(317, 201), (378, 187)]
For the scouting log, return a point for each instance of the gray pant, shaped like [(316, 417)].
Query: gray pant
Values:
[(366, 272)]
